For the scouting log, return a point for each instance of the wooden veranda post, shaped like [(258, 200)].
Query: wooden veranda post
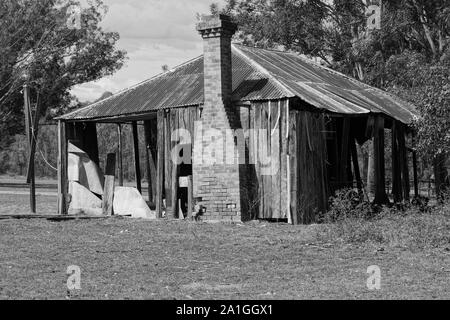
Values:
[(119, 154), (137, 166), (160, 164), (404, 167), (378, 146), (396, 173), (62, 168)]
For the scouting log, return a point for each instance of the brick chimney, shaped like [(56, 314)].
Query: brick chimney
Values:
[(215, 165)]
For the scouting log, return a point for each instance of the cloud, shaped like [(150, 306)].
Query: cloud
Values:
[(154, 33)]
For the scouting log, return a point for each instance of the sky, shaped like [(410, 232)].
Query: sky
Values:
[(154, 33)]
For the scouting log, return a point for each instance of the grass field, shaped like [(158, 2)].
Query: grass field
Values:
[(132, 259)]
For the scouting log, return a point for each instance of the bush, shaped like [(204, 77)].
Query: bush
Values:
[(353, 220), (348, 204)]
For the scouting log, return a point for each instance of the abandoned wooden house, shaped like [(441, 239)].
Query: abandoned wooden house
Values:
[(311, 119)]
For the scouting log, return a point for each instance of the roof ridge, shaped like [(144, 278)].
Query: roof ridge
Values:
[(133, 87)]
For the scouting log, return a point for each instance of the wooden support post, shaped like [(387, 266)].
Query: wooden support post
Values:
[(416, 179), (396, 173), (150, 159), (62, 168), (160, 164), (137, 166), (119, 154), (404, 167), (354, 154), (378, 146), (190, 191), (108, 190), (343, 161)]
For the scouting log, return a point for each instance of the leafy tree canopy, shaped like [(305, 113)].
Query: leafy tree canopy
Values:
[(53, 45)]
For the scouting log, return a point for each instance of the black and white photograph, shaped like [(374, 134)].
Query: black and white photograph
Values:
[(224, 155)]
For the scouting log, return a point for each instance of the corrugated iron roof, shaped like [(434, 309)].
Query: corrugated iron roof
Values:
[(325, 88), (257, 75)]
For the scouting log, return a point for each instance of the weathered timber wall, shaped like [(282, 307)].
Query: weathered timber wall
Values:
[(285, 153)]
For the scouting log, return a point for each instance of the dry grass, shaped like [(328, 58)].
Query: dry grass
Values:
[(411, 230), (131, 259), (19, 204)]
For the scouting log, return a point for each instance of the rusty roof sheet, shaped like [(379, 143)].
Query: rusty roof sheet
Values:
[(257, 75)]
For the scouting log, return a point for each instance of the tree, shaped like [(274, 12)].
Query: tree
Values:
[(60, 44)]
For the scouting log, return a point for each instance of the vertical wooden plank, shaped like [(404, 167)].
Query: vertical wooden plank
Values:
[(167, 159), (274, 130), (62, 168), (283, 190), (174, 188), (108, 190), (119, 154), (176, 123), (302, 149), (380, 184), (160, 164), (260, 151), (137, 166), (190, 208), (268, 180), (288, 163), (293, 166)]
